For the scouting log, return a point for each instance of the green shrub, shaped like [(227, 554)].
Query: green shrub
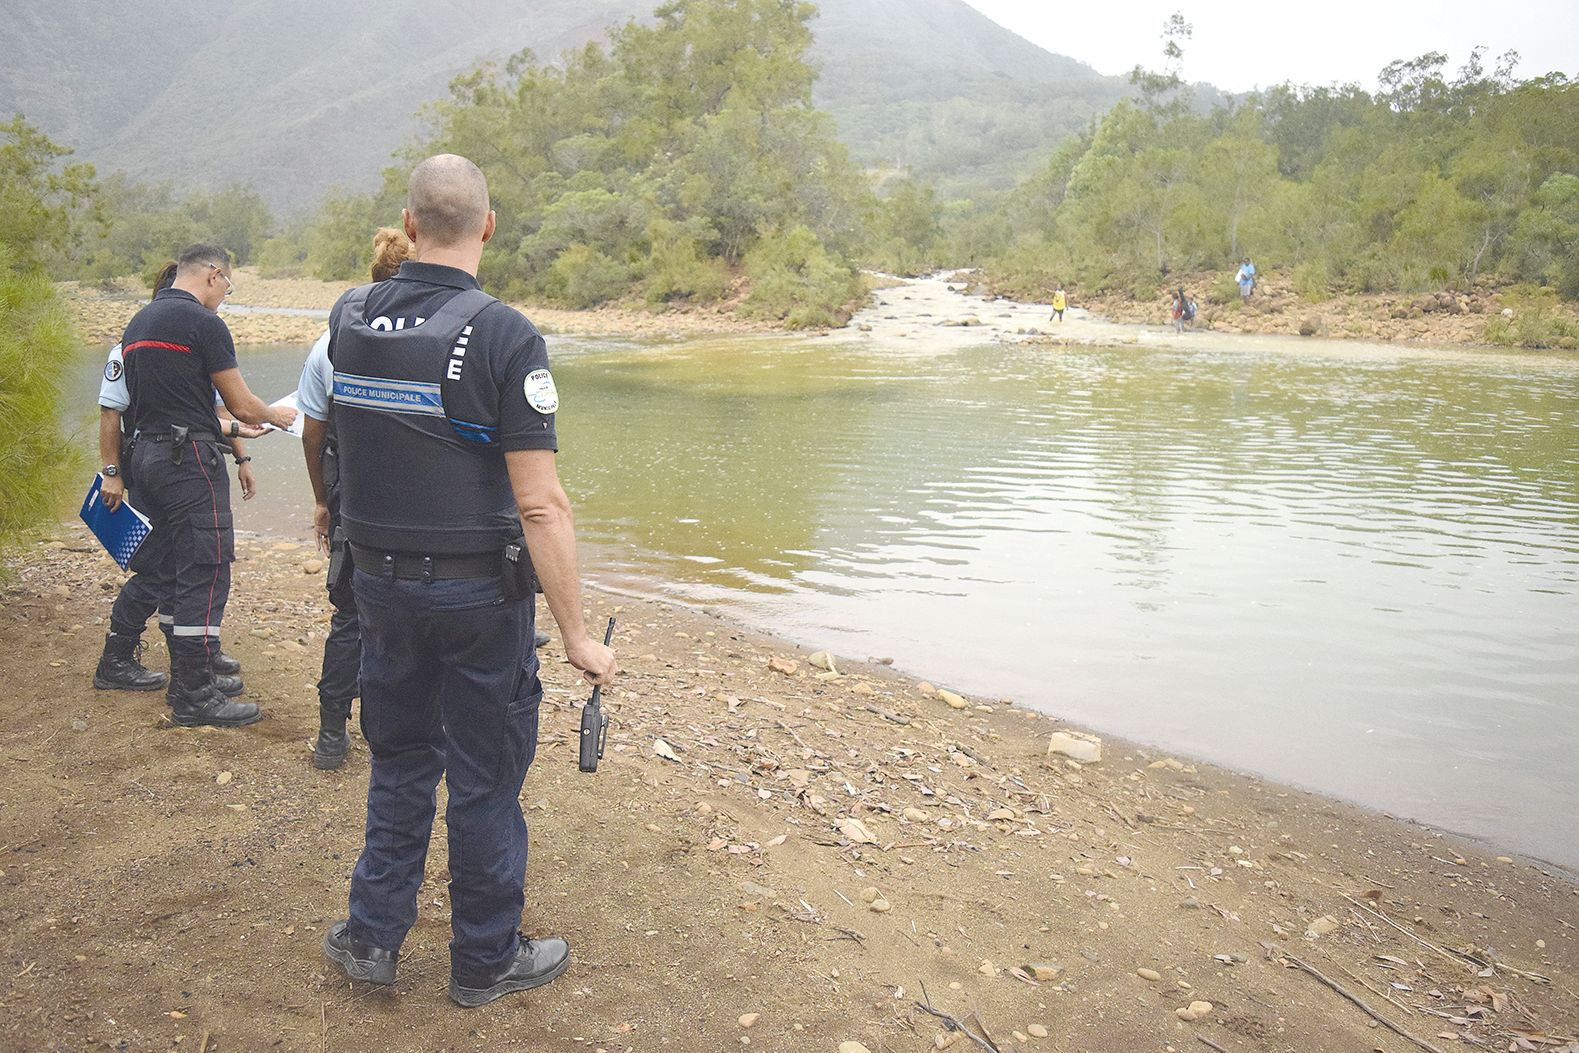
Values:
[(37, 343), (581, 277), (1313, 282), (283, 256), (795, 280), (677, 269), (1498, 331)]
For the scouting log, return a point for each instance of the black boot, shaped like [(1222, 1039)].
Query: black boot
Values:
[(195, 701), (119, 669), (222, 663), (229, 686), (333, 742)]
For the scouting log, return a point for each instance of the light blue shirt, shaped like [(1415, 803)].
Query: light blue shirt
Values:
[(313, 391), (112, 390)]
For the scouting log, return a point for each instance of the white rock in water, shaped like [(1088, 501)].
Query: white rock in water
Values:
[(1084, 748)]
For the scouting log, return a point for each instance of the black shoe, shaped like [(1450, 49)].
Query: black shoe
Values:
[(229, 686), (542, 638), (196, 706), (536, 963), (118, 673), (330, 749), (357, 960), (224, 664)]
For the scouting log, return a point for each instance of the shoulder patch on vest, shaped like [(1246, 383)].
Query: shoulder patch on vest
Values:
[(540, 392)]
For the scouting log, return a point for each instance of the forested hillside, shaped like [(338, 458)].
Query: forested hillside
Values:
[(1435, 181), (294, 97)]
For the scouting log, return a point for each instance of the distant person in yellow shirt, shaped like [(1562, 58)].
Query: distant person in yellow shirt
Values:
[(1059, 303)]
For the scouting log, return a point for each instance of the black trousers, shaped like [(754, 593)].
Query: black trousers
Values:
[(183, 568), (341, 680)]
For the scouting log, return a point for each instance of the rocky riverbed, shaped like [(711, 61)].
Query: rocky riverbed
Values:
[(783, 851)]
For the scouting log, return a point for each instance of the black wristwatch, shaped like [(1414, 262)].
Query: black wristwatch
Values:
[(243, 460), (111, 471), (235, 429)]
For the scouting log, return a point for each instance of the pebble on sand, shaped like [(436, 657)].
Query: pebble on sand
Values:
[(1087, 749), (748, 1019), (852, 1047), (1148, 974)]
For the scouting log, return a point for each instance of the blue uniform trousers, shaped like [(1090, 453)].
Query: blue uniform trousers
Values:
[(183, 568), (342, 649), (449, 687)]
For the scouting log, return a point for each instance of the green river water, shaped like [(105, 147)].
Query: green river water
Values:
[(1353, 569)]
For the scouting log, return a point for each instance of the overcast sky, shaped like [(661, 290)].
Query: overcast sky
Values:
[(1238, 46)]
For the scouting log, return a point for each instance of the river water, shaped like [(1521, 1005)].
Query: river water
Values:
[(1354, 569)]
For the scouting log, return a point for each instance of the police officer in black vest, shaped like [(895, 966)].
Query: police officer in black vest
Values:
[(443, 406), (177, 352)]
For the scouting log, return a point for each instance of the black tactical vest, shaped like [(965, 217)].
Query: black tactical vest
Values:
[(408, 481)]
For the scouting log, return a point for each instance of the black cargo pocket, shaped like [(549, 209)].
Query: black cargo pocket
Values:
[(213, 537), (520, 729)]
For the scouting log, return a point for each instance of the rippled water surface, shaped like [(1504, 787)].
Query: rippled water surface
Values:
[(1356, 570)]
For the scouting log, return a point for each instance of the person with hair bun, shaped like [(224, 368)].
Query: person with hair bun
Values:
[(338, 682)]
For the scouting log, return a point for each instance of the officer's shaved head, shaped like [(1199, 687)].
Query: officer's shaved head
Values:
[(447, 199)]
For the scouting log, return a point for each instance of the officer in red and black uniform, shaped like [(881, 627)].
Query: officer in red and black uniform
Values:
[(443, 412), (177, 352)]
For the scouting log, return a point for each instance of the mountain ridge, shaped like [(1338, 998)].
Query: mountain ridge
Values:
[(295, 98)]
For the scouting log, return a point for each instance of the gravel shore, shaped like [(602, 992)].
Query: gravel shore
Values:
[(783, 851)]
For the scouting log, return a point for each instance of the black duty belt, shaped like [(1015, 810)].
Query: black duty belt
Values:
[(167, 436), (412, 566)]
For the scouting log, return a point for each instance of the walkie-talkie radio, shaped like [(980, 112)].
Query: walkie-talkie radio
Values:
[(594, 724)]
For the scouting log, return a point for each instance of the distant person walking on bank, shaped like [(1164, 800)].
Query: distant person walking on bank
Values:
[(1246, 278), (1059, 303), (1176, 311)]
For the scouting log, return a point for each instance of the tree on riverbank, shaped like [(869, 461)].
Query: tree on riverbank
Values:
[(1431, 182), (685, 153), (38, 197)]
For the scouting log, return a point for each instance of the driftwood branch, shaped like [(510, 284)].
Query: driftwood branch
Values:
[(953, 1023), (1311, 970), (1455, 957)]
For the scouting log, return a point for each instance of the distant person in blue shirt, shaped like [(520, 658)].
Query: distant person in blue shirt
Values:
[(1246, 278)]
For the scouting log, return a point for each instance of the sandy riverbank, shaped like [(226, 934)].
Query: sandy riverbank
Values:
[(103, 311), (1444, 319), (167, 889)]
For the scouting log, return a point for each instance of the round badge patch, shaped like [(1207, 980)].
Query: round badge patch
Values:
[(541, 394), (112, 370)]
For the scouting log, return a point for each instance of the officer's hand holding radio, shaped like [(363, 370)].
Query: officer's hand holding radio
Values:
[(595, 660)]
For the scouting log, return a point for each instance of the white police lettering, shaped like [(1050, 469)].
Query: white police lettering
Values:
[(458, 354), (384, 324), (541, 394)]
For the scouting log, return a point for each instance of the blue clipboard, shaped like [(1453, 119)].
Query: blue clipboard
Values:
[(121, 532)]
